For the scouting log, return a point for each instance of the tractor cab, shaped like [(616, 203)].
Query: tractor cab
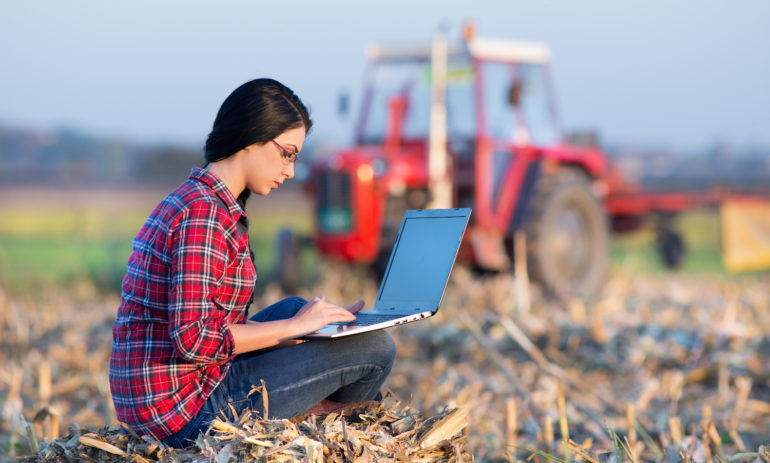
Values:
[(445, 125)]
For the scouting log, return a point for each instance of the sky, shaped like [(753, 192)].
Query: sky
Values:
[(679, 73)]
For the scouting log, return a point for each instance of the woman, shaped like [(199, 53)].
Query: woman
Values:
[(183, 349)]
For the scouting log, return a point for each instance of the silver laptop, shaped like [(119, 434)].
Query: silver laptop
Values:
[(416, 277)]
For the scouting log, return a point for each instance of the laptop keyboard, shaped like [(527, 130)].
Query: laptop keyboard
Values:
[(370, 318)]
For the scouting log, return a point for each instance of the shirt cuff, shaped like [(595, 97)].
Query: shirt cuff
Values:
[(229, 342)]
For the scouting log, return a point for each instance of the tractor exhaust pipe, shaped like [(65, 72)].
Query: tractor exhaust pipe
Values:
[(440, 181)]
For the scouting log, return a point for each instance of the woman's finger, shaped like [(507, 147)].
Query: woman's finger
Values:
[(344, 314), (357, 306)]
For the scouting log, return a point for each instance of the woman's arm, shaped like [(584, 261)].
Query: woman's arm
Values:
[(313, 316), (198, 252)]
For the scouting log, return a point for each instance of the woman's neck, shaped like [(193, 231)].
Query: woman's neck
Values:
[(228, 171)]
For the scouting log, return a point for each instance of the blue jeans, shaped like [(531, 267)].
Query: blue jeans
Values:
[(297, 377)]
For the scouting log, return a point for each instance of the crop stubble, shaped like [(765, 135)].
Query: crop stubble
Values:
[(654, 368)]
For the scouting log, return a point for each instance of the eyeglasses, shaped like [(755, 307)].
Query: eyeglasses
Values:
[(286, 154)]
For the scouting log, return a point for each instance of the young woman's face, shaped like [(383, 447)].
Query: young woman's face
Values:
[(267, 166)]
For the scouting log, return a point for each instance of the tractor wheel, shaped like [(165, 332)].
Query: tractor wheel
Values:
[(671, 247), (387, 241), (567, 235), (380, 264), (287, 266)]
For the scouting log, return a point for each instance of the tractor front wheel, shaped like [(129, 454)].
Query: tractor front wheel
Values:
[(287, 266), (567, 235)]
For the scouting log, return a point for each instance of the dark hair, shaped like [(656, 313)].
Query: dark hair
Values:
[(256, 112)]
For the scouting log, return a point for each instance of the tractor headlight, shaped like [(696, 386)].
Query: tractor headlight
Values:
[(365, 173)]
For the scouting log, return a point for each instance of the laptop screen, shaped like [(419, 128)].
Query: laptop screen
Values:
[(422, 258)]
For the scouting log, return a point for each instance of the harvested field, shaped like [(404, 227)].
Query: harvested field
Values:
[(656, 369)]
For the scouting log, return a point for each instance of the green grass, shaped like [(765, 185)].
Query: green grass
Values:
[(28, 264), (41, 246), (60, 244), (32, 262), (637, 252)]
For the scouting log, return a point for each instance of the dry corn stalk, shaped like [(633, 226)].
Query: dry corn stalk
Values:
[(639, 332), (445, 429), (92, 440)]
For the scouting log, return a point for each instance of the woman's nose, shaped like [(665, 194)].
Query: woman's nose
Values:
[(288, 171)]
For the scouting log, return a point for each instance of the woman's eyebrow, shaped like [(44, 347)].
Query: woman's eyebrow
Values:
[(296, 150)]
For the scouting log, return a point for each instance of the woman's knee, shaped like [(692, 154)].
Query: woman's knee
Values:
[(379, 345)]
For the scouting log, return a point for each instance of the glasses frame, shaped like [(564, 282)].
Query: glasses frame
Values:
[(286, 155)]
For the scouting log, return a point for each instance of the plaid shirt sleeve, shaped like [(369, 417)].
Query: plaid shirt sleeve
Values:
[(197, 320)]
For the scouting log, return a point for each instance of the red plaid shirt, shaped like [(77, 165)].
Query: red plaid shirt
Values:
[(190, 275)]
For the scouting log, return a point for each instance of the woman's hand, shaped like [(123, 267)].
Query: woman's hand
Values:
[(314, 315), (318, 313)]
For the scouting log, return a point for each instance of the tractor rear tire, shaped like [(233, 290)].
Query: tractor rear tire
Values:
[(567, 235), (287, 266)]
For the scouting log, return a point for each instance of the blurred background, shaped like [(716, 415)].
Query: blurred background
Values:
[(104, 108)]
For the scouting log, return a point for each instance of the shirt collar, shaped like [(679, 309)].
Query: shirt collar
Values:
[(220, 189)]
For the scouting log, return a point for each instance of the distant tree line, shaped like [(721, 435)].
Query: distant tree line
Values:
[(67, 157), (659, 168)]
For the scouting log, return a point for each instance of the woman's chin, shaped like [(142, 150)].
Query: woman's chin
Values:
[(261, 192)]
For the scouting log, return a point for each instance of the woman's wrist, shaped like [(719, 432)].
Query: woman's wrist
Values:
[(251, 336)]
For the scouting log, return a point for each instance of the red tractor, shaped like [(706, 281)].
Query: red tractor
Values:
[(473, 125)]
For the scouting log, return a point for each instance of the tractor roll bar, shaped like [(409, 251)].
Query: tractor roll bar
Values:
[(478, 47)]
